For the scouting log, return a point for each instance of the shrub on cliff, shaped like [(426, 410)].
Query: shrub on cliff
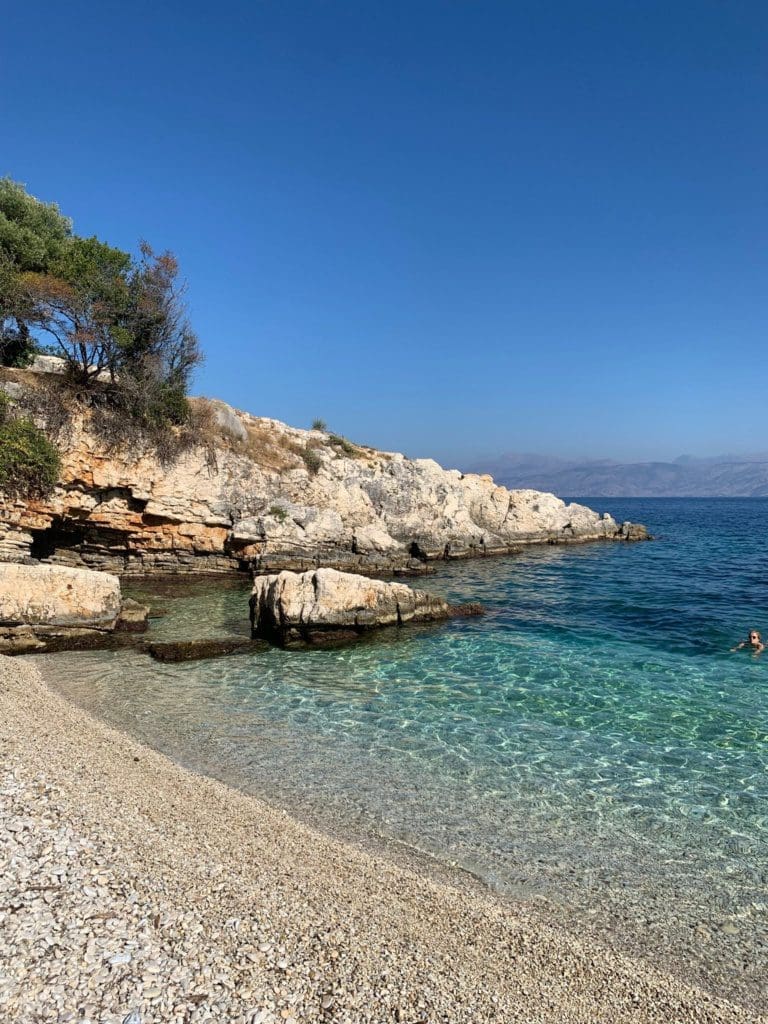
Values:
[(342, 444), (29, 463), (312, 459)]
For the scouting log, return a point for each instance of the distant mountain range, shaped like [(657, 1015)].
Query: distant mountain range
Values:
[(718, 476)]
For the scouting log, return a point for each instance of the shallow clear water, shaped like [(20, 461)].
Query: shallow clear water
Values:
[(590, 742)]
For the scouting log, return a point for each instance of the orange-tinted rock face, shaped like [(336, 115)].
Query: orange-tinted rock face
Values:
[(261, 494)]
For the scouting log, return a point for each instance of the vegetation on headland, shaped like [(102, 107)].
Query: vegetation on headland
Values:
[(344, 445), (29, 462), (118, 321), (119, 326), (311, 458)]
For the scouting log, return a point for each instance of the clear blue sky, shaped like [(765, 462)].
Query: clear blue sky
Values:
[(447, 228)]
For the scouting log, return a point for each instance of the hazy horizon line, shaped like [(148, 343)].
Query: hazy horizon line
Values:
[(682, 459)]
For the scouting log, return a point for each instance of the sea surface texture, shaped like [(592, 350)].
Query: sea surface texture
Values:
[(590, 744)]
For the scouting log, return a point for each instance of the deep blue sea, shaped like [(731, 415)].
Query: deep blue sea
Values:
[(590, 744)]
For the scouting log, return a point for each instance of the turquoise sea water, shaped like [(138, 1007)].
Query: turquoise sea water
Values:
[(589, 744)]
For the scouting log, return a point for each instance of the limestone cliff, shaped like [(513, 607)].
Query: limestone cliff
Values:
[(255, 493)]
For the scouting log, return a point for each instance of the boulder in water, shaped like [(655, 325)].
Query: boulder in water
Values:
[(43, 604), (324, 605)]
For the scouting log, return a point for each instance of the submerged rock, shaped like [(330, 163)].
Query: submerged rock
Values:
[(193, 650), (19, 640), (133, 617), (324, 605), (469, 610)]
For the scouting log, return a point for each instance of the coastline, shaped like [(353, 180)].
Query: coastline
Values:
[(229, 909)]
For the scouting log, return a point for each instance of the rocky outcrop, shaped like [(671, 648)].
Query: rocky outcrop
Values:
[(254, 493), (325, 605), (58, 366), (45, 603)]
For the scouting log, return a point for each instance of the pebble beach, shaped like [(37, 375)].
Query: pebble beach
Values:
[(135, 892)]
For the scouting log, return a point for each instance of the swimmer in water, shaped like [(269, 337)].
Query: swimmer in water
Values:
[(753, 642)]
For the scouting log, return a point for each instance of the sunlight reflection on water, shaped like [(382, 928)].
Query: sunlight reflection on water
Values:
[(589, 740)]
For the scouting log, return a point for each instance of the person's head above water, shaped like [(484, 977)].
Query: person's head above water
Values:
[(753, 641)]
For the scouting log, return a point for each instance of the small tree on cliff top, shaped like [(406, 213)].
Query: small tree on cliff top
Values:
[(158, 348), (33, 236), (110, 316), (80, 304)]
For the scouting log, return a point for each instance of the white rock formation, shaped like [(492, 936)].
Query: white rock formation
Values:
[(48, 364), (290, 606), (54, 595), (58, 365), (256, 492), (41, 602)]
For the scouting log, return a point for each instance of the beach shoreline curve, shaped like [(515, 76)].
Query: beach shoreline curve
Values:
[(136, 884)]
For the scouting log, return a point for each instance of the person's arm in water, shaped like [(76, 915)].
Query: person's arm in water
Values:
[(738, 647)]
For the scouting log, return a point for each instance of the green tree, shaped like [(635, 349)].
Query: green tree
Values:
[(29, 463), (82, 304), (114, 319), (33, 236), (32, 233)]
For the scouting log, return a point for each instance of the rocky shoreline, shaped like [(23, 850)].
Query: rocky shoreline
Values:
[(54, 608), (135, 890), (241, 495), (251, 494)]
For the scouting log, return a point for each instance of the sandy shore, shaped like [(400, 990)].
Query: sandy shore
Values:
[(131, 888)]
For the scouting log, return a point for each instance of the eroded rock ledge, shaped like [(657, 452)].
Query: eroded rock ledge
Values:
[(326, 606), (258, 495)]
